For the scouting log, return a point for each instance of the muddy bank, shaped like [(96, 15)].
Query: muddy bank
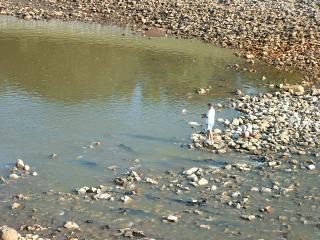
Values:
[(283, 33)]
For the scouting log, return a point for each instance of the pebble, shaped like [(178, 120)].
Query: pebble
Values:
[(126, 199), (191, 171), (205, 226), (202, 182), (248, 217), (14, 176), (16, 205), (26, 167), (213, 188), (172, 218), (71, 226), (150, 180), (20, 164), (311, 167)]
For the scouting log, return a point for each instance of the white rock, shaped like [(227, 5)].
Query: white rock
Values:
[(213, 188), (172, 218), (266, 190), (14, 176), (311, 167), (235, 194), (194, 124), (26, 167), (205, 226), (125, 199), (248, 217), (20, 164), (228, 167), (34, 174), (193, 177), (103, 196), (202, 182), (16, 205), (82, 191), (190, 171), (150, 180), (71, 226)]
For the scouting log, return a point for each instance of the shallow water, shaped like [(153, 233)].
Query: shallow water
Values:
[(66, 85)]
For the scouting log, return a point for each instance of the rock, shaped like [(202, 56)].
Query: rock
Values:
[(249, 56), (82, 191), (172, 218), (53, 156), (26, 167), (27, 17), (238, 92), (20, 164), (71, 226), (248, 217), (126, 199), (201, 91), (202, 182), (15, 205), (268, 209), (205, 226), (285, 136), (213, 188), (194, 124), (191, 171), (34, 174), (8, 233), (14, 176), (297, 89), (150, 180), (311, 167), (103, 196), (228, 167)]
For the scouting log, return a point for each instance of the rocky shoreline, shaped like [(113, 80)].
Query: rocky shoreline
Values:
[(283, 122), (283, 33)]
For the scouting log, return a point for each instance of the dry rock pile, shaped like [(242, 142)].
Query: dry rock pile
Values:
[(286, 122)]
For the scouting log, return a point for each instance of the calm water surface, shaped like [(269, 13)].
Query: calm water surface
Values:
[(66, 85)]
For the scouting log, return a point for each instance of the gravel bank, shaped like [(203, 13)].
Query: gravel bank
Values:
[(283, 33), (285, 122)]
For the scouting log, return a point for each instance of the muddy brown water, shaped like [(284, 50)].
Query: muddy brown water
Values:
[(66, 85)]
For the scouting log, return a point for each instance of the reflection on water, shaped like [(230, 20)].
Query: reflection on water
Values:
[(65, 85), (76, 62)]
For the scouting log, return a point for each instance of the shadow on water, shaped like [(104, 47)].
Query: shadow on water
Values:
[(152, 138)]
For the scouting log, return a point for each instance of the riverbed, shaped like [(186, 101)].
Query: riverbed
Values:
[(104, 100)]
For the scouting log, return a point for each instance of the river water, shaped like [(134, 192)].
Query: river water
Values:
[(64, 86)]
